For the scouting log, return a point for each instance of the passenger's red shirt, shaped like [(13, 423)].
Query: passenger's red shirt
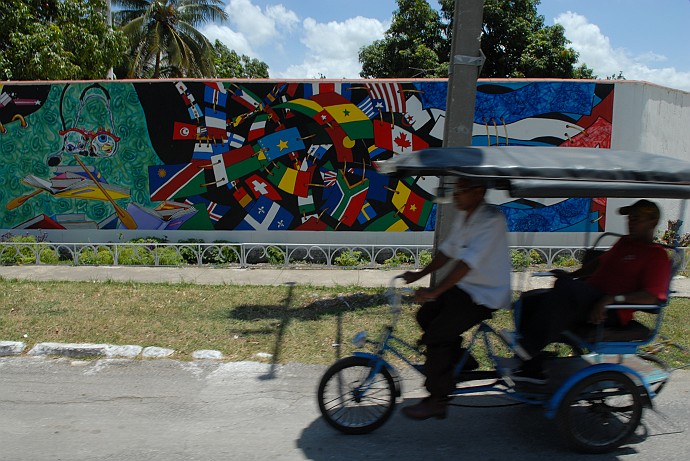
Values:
[(631, 266)]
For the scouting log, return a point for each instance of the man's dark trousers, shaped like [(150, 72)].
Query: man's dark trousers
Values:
[(443, 320)]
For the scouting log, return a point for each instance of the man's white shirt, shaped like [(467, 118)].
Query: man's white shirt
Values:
[(481, 242)]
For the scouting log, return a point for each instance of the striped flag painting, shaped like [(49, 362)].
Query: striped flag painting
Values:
[(389, 94), (177, 181)]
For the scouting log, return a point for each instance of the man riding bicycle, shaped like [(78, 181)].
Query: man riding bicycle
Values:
[(477, 285)]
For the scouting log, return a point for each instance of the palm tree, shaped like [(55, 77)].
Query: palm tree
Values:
[(164, 41)]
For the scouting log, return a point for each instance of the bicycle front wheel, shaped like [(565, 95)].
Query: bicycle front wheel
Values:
[(353, 399)]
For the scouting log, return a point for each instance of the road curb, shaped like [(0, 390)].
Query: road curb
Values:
[(88, 350), (10, 348)]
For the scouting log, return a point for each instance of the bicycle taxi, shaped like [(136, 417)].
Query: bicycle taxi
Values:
[(598, 390)]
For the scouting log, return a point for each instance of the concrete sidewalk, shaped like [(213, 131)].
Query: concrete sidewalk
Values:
[(521, 281)]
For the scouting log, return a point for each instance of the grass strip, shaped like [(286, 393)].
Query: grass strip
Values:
[(301, 323)]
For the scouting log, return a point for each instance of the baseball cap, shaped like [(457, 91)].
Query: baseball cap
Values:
[(642, 207)]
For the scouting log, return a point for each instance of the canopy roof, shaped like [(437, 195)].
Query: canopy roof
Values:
[(552, 171)]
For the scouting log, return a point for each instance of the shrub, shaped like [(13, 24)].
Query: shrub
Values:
[(349, 258), (425, 258), (168, 256), (49, 256), (275, 256), (520, 260), (135, 256), (149, 240), (8, 255), (565, 261), (399, 259), (18, 254), (101, 256), (222, 254), (189, 253), (536, 257)]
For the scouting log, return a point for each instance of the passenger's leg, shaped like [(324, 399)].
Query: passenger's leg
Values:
[(568, 304), (565, 306)]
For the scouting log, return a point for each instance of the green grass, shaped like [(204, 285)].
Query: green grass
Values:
[(296, 324)]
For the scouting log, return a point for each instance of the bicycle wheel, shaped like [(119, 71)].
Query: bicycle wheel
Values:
[(600, 412), (353, 399)]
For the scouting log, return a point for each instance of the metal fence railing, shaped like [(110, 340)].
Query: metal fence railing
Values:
[(257, 254)]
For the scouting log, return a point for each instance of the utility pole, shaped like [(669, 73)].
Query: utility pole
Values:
[(466, 59), (109, 18)]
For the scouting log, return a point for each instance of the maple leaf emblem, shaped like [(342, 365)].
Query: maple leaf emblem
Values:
[(402, 141)]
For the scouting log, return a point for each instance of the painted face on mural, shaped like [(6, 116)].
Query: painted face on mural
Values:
[(78, 140), (101, 143)]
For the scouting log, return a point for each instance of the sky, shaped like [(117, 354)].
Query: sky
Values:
[(645, 40)]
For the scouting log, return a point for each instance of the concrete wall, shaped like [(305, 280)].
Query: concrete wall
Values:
[(651, 118)]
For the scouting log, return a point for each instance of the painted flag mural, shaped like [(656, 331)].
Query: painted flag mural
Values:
[(270, 155)]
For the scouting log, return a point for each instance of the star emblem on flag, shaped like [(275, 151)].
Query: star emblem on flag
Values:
[(282, 145)]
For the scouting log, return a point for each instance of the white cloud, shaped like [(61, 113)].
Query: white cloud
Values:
[(597, 52), (253, 31), (282, 16), (233, 40), (333, 47), (260, 27)]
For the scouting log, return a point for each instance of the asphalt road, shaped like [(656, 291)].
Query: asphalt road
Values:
[(118, 409)]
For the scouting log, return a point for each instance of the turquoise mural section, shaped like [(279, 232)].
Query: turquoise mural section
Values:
[(268, 155)]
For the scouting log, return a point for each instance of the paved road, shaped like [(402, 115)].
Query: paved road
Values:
[(56, 409)]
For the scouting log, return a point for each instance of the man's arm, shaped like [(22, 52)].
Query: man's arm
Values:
[(439, 260), (459, 271)]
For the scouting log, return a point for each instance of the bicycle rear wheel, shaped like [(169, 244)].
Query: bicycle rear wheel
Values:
[(600, 413), (353, 399)]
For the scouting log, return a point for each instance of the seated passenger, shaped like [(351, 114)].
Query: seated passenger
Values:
[(634, 271)]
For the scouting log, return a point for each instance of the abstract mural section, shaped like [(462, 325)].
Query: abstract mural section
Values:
[(268, 155), (569, 114)]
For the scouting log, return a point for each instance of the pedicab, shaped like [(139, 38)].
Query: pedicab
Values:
[(598, 390)]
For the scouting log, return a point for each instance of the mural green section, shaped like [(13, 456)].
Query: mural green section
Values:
[(25, 151)]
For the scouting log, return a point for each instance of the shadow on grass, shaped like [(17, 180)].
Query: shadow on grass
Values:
[(285, 313)]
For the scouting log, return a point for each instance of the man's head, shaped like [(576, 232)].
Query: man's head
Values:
[(468, 194), (643, 216)]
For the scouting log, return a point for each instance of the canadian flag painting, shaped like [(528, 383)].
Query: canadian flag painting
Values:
[(396, 139)]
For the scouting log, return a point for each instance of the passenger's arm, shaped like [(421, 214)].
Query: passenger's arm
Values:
[(638, 297)]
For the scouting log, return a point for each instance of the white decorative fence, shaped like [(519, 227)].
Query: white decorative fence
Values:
[(257, 254)]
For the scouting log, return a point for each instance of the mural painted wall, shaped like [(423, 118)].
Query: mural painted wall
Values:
[(268, 155)]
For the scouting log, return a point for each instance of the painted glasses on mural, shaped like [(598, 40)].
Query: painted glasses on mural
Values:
[(192, 155)]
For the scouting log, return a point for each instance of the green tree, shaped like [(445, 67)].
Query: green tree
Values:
[(164, 41), (515, 41), (410, 47), (229, 64), (57, 40)]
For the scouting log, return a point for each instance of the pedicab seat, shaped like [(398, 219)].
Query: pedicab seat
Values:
[(634, 331)]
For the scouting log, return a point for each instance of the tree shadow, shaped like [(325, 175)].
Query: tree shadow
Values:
[(285, 313)]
